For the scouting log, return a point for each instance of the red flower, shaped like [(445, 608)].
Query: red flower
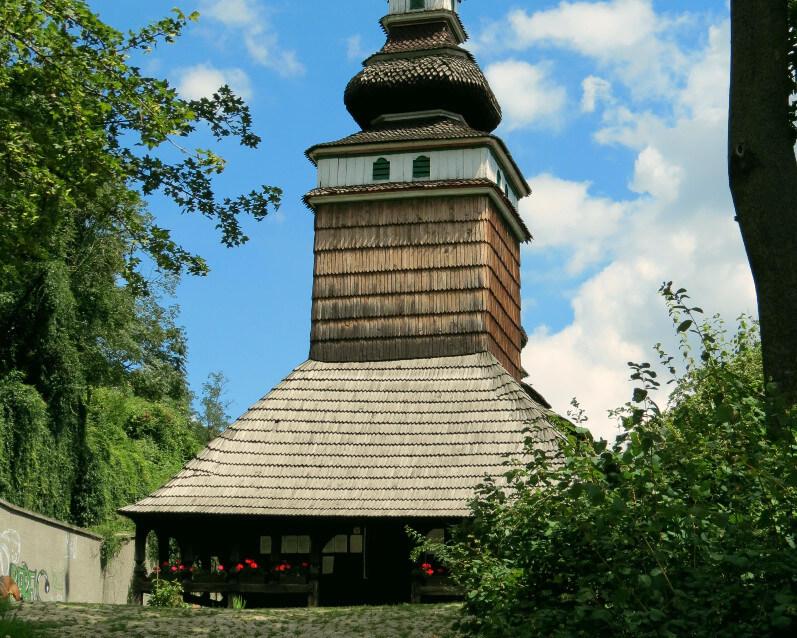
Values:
[(426, 566), (165, 563), (239, 567), (253, 565), (174, 568), (220, 568), (305, 565), (248, 561), (182, 568), (430, 572)]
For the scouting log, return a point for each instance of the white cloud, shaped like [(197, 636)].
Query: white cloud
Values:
[(247, 20), (527, 94), (594, 91), (680, 227), (624, 36), (563, 214), (204, 80), (354, 48), (653, 174), (597, 29)]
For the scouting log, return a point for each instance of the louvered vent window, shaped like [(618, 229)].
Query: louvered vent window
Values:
[(381, 170), (421, 167), (417, 4)]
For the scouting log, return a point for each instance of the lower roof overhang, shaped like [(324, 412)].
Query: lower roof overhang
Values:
[(412, 190)]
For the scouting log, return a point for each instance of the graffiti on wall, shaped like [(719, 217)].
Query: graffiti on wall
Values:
[(10, 550), (33, 584)]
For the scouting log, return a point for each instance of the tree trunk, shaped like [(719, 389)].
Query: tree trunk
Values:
[(763, 176)]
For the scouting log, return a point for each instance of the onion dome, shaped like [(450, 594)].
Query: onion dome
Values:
[(422, 68)]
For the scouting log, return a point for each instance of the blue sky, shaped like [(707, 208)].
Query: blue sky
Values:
[(614, 110)]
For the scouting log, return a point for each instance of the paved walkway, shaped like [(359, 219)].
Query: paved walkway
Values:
[(101, 621)]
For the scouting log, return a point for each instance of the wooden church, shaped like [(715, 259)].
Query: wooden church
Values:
[(413, 391)]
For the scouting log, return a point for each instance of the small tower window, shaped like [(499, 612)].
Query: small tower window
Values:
[(499, 179), (381, 170), (421, 167), (417, 4)]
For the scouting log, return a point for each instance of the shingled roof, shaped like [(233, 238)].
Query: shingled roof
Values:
[(433, 128), (380, 439), (432, 81), (436, 186)]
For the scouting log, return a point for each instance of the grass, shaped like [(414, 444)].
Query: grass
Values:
[(57, 620)]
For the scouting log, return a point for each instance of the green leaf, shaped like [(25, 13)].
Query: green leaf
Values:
[(684, 326)]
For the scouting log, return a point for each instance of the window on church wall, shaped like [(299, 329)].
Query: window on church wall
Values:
[(437, 535), (381, 170), (421, 167), (295, 545), (340, 544)]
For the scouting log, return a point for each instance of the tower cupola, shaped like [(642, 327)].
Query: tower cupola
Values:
[(406, 6), (422, 68)]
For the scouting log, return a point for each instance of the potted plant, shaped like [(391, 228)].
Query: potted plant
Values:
[(249, 571), (292, 572)]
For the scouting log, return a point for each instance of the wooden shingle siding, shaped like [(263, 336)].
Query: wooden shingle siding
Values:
[(415, 278), (374, 439), (397, 282)]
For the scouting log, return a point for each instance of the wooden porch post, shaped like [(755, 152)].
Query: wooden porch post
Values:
[(233, 578), (140, 558), (315, 569)]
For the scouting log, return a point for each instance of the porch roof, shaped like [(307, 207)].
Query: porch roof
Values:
[(410, 438)]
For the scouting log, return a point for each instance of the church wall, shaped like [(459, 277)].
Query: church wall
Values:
[(415, 278), (468, 163)]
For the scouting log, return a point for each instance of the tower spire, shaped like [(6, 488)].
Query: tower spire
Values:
[(422, 68)]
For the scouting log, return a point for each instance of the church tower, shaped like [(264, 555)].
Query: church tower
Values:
[(412, 394), (417, 248)]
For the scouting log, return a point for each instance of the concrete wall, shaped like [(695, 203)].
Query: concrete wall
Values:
[(54, 561)]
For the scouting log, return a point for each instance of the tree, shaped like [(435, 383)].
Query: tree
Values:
[(684, 526), (214, 415), (87, 343), (763, 170)]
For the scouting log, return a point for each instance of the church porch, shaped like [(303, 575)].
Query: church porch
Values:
[(284, 562)]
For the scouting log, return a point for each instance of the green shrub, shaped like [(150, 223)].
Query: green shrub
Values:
[(685, 526), (166, 593)]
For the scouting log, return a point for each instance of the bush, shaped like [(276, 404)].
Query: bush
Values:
[(684, 526), (166, 593)]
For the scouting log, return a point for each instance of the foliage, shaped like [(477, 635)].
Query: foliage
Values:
[(94, 404), (133, 446), (10, 625), (167, 593), (214, 413), (684, 526), (238, 602)]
